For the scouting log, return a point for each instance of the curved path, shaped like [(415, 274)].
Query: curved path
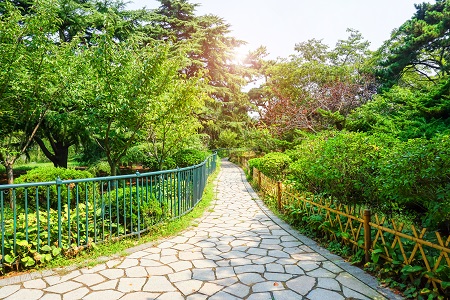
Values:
[(239, 250)]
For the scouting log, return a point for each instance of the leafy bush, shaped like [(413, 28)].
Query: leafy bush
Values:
[(27, 244), (228, 139), (379, 171), (45, 174), (404, 113), (51, 174), (235, 154), (150, 162), (272, 164), (124, 204), (100, 168), (168, 164), (90, 153), (343, 166), (136, 155), (416, 175), (189, 157)]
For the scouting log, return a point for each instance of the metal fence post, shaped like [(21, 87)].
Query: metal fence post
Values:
[(138, 205), (58, 190), (179, 191), (367, 235), (279, 190)]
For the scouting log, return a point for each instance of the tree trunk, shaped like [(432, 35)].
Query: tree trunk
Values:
[(61, 152), (61, 156), (113, 166)]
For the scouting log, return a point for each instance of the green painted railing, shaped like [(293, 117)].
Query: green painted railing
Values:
[(37, 218)]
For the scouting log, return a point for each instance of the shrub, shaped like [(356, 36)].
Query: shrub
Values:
[(150, 162), (272, 164), (379, 171), (136, 155), (124, 203), (189, 157), (416, 175), (46, 174), (228, 139), (100, 168), (235, 154), (343, 166)]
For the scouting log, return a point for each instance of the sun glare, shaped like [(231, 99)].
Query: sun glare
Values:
[(239, 54)]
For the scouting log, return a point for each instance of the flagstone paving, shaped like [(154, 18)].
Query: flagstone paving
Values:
[(239, 250)]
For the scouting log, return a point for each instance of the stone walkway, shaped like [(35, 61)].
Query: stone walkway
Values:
[(239, 250)]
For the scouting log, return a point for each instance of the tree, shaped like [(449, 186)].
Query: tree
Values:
[(354, 51), (77, 22), (171, 121), (65, 124), (420, 45), (206, 41), (315, 89), (130, 81), (27, 83)]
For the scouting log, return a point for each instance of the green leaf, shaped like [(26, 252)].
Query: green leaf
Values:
[(445, 284), (56, 251), (9, 259), (46, 248), (22, 243), (46, 257), (28, 261), (406, 270)]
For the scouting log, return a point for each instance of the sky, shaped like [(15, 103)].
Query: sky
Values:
[(280, 24)]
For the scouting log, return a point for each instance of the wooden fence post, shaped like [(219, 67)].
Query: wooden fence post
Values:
[(367, 235), (259, 180), (279, 190)]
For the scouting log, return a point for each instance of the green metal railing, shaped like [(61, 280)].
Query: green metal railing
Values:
[(35, 217)]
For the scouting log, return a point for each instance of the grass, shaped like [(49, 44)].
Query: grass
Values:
[(92, 257)]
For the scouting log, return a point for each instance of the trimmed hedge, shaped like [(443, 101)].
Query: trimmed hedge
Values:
[(272, 164), (44, 174)]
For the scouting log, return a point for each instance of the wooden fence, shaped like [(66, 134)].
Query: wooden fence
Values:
[(414, 251)]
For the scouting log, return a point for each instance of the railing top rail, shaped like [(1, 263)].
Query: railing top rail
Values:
[(105, 178)]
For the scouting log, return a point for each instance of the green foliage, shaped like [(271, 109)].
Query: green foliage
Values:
[(136, 154), (404, 113), (189, 157), (45, 174), (314, 89), (227, 139), (100, 168), (272, 164), (419, 46), (89, 153), (150, 162), (51, 174), (415, 175), (130, 204), (338, 165), (379, 171), (27, 256)]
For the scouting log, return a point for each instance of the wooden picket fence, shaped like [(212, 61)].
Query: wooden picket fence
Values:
[(417, 252)]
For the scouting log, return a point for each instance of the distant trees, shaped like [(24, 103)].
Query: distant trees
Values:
[(418, 50), (413, 72), (77, 72), (316, 88)]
